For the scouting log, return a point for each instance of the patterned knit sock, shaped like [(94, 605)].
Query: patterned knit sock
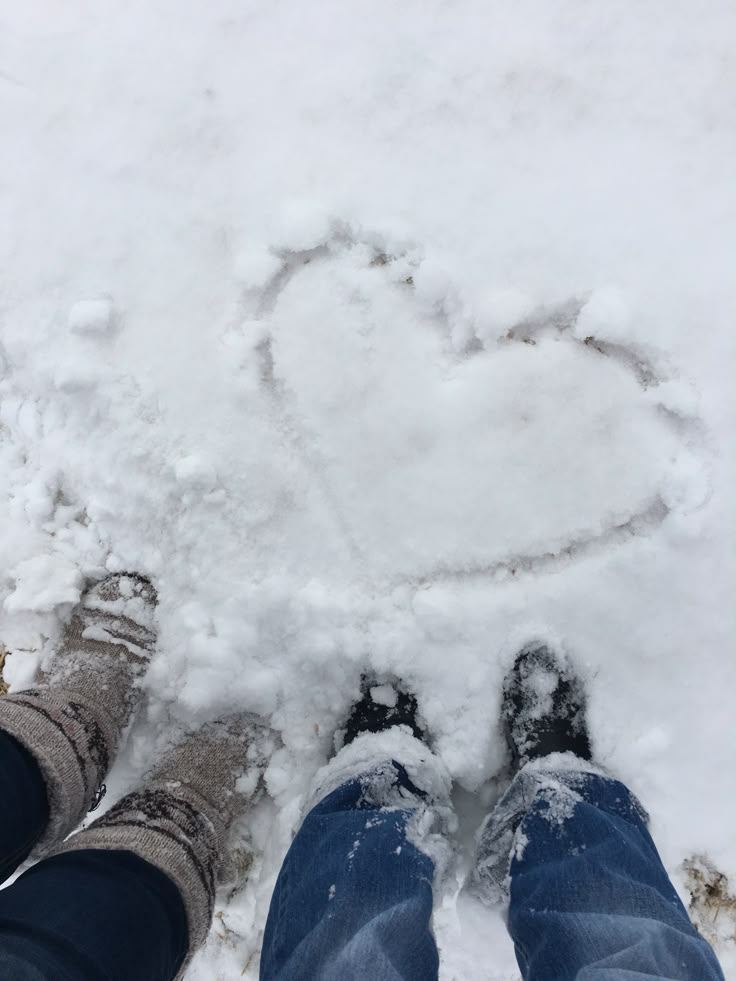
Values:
[(180, 818), (73, 722)]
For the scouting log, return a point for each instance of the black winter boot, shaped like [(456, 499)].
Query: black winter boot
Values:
[(382, 706), (544, 707)]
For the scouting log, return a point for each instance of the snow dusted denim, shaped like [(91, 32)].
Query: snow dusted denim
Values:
[(354, 896), (589, 897), (81, 916)]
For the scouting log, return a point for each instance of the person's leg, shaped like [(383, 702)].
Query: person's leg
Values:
[(354, 895), (568, 848), (132, 896), (92, 916), (24, 809), (589, 895)]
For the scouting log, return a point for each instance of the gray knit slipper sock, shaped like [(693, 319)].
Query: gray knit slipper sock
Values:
[(73, 722), (180, 819)]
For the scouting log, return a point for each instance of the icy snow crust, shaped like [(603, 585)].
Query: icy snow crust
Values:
[(381, 336)]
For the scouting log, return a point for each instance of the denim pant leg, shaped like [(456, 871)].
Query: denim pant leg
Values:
[(354, 896), (81, 916), (590, 898)]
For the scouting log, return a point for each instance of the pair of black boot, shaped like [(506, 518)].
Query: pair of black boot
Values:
[(543, 709)]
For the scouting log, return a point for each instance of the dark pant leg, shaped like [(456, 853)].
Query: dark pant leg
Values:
[(92, 916), (590, 898), (354, 896), (24, 810), (81, 916)]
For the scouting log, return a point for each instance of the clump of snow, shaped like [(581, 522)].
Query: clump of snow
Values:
[(255, 266), (196, 472), (303, 224), (606, 316), (42, 584), (498, 310), (248, 783), (433, 284), (384, 695), (20, 669), (92, 317), (542, 684)]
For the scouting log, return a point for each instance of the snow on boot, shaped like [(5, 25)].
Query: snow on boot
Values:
[(380, 707), (73, 722), (543, 707), (179, 820)]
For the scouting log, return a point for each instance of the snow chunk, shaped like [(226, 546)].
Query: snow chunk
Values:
[(255, 266), (606, 316), (43, 583), (499, 310), (384, 695), (92, 317), (304, 225), (432, 283), (20, 669), (195, 472), (247, 784)]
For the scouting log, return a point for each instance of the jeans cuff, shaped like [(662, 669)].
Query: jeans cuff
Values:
[(373, 751)]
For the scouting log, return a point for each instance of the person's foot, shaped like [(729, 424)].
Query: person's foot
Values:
[(381, 706), (221, 764), (543, 707), (106, 645), (73, 722)]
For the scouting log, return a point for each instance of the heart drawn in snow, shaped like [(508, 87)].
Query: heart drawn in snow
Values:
[(444, 462)]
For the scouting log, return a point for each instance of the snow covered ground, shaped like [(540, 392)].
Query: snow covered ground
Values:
[(382, 335)]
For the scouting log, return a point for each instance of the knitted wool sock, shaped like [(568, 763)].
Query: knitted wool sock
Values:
[(180, 818), (73, 722)]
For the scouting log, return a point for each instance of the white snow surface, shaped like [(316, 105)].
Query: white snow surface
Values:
[(423, 346)]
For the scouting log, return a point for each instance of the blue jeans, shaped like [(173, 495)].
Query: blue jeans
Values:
[(590, 899), (354, 897), (83, 916)]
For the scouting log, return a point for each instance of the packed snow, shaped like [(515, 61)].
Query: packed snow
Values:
[(383, 336)]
